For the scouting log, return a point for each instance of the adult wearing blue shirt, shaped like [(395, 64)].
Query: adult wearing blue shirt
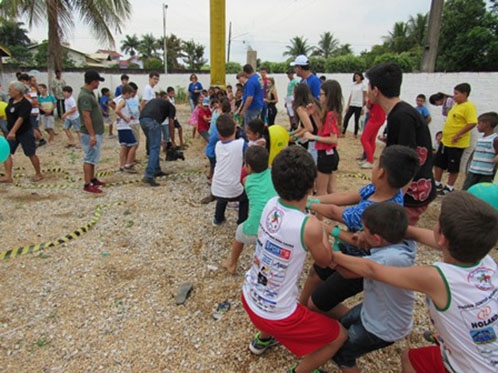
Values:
[(302, 68), (194, 91), (124, 81), (253, 95)]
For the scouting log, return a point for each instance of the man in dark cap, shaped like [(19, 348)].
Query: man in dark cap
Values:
[(91, 130)]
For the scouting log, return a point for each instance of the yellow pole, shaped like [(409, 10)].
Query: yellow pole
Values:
[(218, 42)]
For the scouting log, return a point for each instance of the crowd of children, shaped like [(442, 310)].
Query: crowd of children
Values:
[(285, 199)]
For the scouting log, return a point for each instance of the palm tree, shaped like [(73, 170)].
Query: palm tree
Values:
[(130, 44), (101, 16), (343, 50), (174, 46), (417, 29), (398, 40), (326, 45), (193, 55), (298, 45), (149, 46)]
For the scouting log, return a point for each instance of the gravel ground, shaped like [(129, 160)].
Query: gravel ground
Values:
[(106, 301)]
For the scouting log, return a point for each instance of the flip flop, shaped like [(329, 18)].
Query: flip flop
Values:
[(184, 292), (222, 308), (36, 178)]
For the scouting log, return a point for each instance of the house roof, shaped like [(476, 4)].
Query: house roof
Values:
[(114, 55), (4, 52)]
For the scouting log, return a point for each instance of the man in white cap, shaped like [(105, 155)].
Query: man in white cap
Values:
[(302, 68)]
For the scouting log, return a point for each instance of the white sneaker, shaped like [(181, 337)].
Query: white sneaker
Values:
[(366, 165)]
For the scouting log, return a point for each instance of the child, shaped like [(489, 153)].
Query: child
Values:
[(126, 138), (437, 138), (259, 189), (461, 289), (255, 132), (485, 159), (422, 109), (226, 186), (171, 96), (203, 119), (462, 118), (47, 104), (194, 117), (376, 118), (3, 118), (395, 168), (270, 288), (71, 117), (133, 104), (104, 107), (385, 315)]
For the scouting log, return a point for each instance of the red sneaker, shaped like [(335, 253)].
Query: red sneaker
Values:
[(92, 189), (97, 182)]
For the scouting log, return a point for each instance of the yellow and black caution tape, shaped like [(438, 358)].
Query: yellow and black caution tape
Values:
[(46, 186), (68, 237)]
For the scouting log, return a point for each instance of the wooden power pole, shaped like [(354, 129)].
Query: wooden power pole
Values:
[(431, 47)]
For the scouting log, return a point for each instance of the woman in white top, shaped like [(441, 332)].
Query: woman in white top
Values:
[(356, 101)]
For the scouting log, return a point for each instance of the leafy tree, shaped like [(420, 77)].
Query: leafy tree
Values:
[(397, 40), (345, 64), (193, 54), (327, 45), (469, 37), (130, 44), (174, 46), (14, 37), (417, 29), (233, 67), (298, 45), (343, 50), (148, 46), (102, 17)]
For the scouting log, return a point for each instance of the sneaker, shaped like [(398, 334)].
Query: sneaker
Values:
[(129, 170), (208, 199), (439, 188), (293, 370), (431, 337), (150, 181), (161, 173), (366, 165), (258, 346), (97, 182), (41, 143), (218, 222), (445, 191), (92, 189)]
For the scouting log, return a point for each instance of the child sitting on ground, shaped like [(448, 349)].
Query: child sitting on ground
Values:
[(270, 289), (395, 168), (461, 290), (485, 159), (71, 116), (385, 315), (259, 189), (226, 185)]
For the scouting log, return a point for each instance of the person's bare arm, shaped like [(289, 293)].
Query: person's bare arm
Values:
[(304, 118), (329, 211), (172, 131), (317, 242), (12, 133), (341, 198), (247, 103), (424, 279), (119, 112), (422, 235)]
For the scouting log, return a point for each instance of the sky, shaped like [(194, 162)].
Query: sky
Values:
[(266, 26)]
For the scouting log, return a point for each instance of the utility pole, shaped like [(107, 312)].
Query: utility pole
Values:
[(229, 40), (431, 47), (165, 46)]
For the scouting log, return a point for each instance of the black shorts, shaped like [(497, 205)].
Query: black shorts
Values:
[(327, 163), (448, 158), (177, 124), (335, 289), (27, 141)]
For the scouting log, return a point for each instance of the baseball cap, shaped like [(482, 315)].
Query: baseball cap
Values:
[(300, 60), (91, 75), (205, 102)]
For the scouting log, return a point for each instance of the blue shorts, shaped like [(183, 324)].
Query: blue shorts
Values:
[(34, 121), (359, 341), (27, 141), (126, 138), (91, 153), (75, 123)]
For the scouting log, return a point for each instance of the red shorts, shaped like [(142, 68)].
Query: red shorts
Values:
[(427, 359), (301, 333)]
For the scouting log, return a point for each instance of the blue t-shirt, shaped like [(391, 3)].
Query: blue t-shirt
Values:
[(118, 91), (254, 88), (191, 88), (213, 139), (423, 110), (352, 215), (104, 105), (314, 83)]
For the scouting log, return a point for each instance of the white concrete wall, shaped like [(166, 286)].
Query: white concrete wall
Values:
[(484, 86)]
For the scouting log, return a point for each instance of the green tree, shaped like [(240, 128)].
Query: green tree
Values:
[(101, 16), (327, 45), (417, 29), (14, 37), (174, 47), (343, 50), (193, 55), (233, 67), (398, 40), (40, 57), (298, 45), (148, 46), (469, 37), (130, 44)]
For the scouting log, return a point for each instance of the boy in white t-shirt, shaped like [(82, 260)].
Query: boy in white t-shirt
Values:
[(71, 117), (226, 185), (126, 138)]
